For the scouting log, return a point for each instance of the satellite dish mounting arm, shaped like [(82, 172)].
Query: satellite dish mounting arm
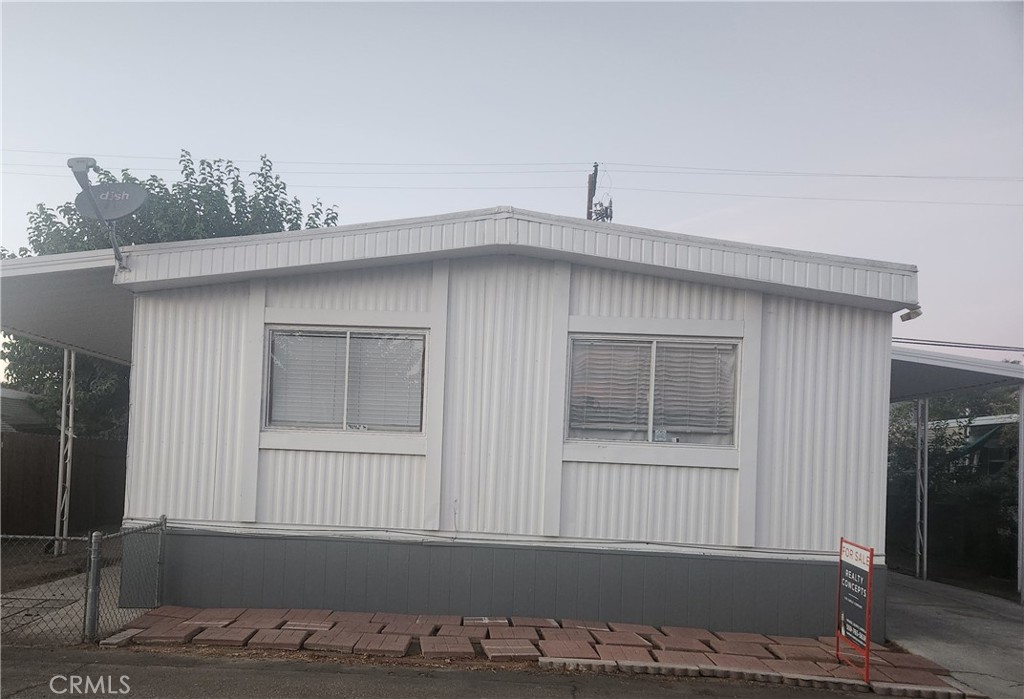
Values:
[(80, 168)]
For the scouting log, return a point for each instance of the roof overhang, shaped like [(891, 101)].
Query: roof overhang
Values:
[(77, 300), (69, 301), (920, 374), (882, 286)]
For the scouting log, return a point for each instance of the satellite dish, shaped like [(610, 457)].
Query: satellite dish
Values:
[(113, 200)]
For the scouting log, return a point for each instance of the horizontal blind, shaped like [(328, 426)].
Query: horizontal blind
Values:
[(307, 379), (385, 382), (609, 389), (695, 393)]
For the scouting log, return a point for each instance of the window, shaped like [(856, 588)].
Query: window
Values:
[(657, 390), (346, 380)]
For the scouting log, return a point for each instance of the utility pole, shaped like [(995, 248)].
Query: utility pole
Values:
[(591, 191)]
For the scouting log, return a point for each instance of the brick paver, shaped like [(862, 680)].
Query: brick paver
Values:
[(446, 647), (439, 619), (816, 653), (676, 657), (535, 622), (359, 627), (741, 637), (682, 643), (277, 639), (752, 650), (689, 632), (484, 621), (900, 675), (581, 635), (391, 645), (409, 628), (797, 667), (737, 667), (584, 624), (632, 653), (620, 638), (473, 633), (224, 637), (568, 649), (351, 617), (644, 630), (509, 649), (338, 641), (794, 641), (121, 638), (308, 625), (910, 661), (390, 617), (172, 632), (527, 632), (258, 622), (175, 611)]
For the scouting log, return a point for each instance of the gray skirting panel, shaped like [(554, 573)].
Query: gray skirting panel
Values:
[(722, 593)]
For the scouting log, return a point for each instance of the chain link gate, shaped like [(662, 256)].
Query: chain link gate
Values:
[(67, 590)]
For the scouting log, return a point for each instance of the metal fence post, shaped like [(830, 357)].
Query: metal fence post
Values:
[(160, 562), (92, 594)]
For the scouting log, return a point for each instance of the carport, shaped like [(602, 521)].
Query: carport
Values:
[(918, 375)]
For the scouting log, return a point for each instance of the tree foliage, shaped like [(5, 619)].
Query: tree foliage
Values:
[(211, 200)]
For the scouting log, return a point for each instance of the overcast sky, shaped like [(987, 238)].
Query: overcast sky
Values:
[(530, 94)]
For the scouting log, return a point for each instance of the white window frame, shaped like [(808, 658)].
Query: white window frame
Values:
[(339, 437), (659, 453)]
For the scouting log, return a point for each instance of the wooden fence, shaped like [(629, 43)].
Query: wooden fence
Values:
[(28, 483)]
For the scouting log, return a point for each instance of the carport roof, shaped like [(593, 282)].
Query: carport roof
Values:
[(922, 374)]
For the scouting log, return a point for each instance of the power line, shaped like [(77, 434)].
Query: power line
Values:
[(302, 162), (783, 196), (653, 168), (962, 345), (793, 173), (325, 172), (628, 189)]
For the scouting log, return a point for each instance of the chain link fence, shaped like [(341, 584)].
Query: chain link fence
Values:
[(69, 590)]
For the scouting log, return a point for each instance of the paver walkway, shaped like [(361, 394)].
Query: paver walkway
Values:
[(570, 645)]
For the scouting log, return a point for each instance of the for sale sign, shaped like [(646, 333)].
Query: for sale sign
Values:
[(853, 606)]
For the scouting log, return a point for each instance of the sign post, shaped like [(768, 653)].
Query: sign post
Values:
[(853, 603)]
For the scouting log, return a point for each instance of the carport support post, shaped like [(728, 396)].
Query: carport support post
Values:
[(67, 438), (1020, 492), (92, 592), (921, 497)]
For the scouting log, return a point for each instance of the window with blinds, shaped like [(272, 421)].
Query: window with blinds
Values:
[(665, 391), (348, 380)]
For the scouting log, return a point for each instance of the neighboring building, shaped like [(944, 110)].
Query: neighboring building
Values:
[(505, 412), (17, 414)]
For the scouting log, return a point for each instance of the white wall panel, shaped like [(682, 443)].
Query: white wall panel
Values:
[(496, 394), (649, 503), (609, 293), (186, 416), (339, 489), (395, 288), (824, 404)]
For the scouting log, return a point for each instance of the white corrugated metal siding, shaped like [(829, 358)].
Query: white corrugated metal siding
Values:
[(649, 503), (325, 488), (398, 288), (823, 437), (186, 426), (495, 417), (609, 293)]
